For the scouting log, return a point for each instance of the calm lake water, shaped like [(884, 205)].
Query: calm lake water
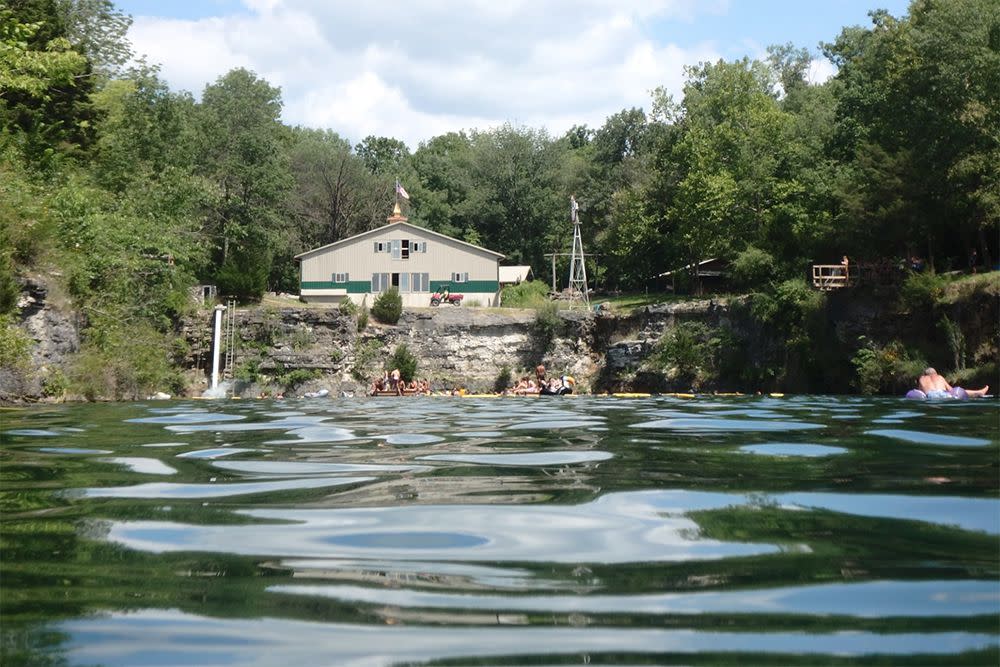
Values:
[(799, 530)]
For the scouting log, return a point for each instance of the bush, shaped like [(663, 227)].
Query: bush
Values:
[(884, 369), (920, 292), (752, 267), (348, 308), (295, 377), (388, 306), (248, 370), (54, 384), (503, 380), (9, 289), (528, 294), (956, 342), (363, 319), (547, 322), (119, 362), (365, 353), (405, 361), (15, 346), (690, 353), (301, 339)]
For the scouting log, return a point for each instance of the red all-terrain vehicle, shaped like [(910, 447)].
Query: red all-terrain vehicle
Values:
[(446, 297)]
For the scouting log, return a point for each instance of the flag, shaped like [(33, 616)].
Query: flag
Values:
[(400, 191)]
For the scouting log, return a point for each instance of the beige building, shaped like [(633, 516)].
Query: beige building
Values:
[(416, 261)]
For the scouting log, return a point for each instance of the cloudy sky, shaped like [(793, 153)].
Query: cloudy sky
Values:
[(414, 70)]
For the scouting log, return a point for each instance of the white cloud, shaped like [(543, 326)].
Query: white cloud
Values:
[(820, 70), (414, 71)]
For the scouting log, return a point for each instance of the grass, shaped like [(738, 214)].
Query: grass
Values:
[(962, 288), (629, 302)]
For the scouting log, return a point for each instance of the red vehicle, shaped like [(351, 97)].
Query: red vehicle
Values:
[(447, 297)]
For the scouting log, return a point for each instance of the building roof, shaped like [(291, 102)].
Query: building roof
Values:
[(396, 225), (514, 274), (701, 271)]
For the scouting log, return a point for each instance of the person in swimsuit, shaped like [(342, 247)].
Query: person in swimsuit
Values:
[(935, 386)]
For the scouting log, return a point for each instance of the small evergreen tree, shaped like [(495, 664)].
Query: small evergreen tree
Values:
[(388, 306), (405, 361)]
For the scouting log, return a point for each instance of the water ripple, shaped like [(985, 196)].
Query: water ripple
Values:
[(221, 490), (924, 438), (176, 637), (712, 425), (524, 458)]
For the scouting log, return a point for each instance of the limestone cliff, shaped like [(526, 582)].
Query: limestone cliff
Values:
[(456, 347)]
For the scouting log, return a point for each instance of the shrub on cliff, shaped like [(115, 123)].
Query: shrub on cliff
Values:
[(405, 361), (528, 294), (546, 322), (691, 353), (884, 369), (921, 291), (388, 306)]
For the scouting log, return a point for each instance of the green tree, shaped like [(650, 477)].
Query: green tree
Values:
[(29, 66), (918, 100), (447, 197), (734, 182), (145, 131), (334, 196), (384, 155), (243, 155), (44, 84), (98, 30)]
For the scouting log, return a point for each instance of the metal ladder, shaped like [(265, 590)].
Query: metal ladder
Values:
[(229, 336)]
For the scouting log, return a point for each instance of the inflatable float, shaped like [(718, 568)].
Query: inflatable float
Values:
[(956, 393)]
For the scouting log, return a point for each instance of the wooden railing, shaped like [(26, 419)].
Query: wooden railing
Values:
[(832, 276), (836, 276)]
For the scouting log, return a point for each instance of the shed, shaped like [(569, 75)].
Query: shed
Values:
[(708, 274), (514, 275)]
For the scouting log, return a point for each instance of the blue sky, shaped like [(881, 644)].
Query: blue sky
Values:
[(415, 70)]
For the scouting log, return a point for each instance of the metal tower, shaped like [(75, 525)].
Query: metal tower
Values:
[(577, 264)]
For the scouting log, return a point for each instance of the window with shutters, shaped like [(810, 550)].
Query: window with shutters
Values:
[(420, 282)]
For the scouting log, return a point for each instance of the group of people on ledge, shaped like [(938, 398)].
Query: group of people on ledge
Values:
[(556, 386), (391, 382)]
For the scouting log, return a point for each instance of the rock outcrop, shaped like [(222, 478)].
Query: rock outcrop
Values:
[(54, 337)]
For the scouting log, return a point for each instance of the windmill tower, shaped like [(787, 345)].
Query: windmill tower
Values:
[(577, 264)]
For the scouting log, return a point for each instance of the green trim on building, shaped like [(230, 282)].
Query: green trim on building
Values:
[(359, 286), (352, 286), (476, 286), (365, 286)]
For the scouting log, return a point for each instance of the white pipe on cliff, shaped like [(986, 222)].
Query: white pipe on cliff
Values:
[(216, 345)]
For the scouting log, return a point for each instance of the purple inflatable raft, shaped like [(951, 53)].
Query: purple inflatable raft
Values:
[(955, 393)]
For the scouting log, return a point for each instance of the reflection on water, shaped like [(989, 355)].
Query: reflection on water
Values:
[(373, 532)]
